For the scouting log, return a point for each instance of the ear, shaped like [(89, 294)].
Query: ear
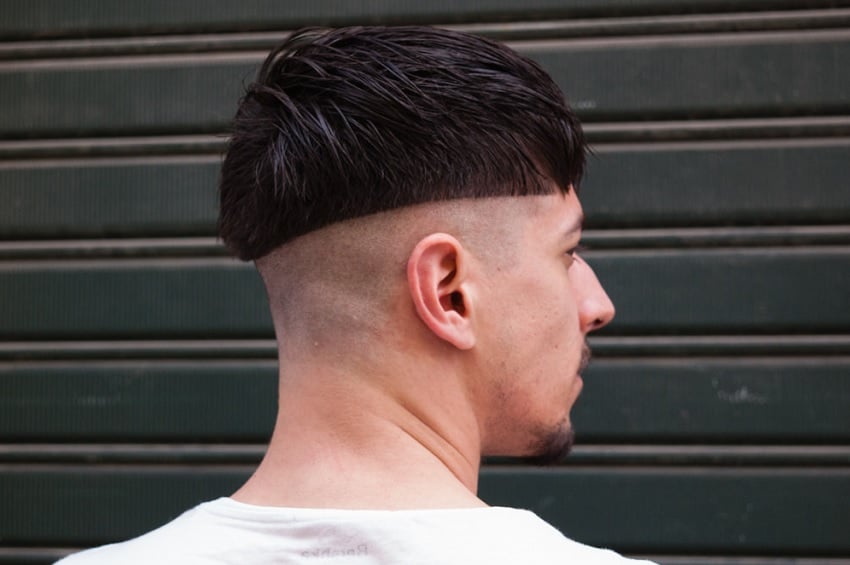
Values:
[(437, 276)]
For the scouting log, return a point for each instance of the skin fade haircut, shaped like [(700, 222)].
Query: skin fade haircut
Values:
[(343, 123)]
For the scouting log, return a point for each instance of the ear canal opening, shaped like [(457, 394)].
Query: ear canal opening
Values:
[(457, 303)]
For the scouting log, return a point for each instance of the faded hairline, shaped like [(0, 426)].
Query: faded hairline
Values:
[(349, 275)]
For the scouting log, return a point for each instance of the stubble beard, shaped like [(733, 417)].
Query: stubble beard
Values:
[(555, 443), (554, 447)]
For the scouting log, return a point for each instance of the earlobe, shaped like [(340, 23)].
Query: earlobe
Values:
[(437, 280)]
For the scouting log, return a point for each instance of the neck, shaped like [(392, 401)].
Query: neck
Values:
[(369, 439)]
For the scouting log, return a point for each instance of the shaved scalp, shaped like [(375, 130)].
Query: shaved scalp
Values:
[(347, 281), (344, 123)]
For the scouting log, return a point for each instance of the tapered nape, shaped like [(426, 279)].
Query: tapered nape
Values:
[(342, 123)]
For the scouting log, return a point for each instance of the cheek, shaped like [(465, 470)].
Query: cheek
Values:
[(531, 325), (536, 320), (554, 321)]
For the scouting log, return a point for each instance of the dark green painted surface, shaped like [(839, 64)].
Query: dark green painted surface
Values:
[(641, 400), (670, 77), (689, 77), (734, 451), (699, 510), (704, 399), (54, 17), (162, 95), (772, 290), (31, 556), (640, 185), (645, 510), (138, 401), (163, 298), (660, 291), (88, 505), (703, 184), (110, 198)]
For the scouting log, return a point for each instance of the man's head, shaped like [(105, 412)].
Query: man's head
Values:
[(409, 197)]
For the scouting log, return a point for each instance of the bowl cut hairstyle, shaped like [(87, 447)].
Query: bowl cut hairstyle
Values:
[(343, 123)]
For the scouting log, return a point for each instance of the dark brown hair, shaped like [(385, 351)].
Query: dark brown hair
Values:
[(347, 122)]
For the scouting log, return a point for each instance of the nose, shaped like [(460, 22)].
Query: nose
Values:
[(594, 306)]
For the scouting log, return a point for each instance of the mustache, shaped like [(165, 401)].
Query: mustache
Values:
[(586, 354)]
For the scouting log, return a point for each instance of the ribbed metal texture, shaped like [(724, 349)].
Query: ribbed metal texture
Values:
[(714, 427)]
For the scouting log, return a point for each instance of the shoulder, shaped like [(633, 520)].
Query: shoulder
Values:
[(527, 537), (164, 545)]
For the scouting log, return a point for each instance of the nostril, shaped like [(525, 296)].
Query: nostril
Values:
[(601, 319)]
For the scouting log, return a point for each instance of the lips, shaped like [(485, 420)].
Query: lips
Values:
[(585, 358)]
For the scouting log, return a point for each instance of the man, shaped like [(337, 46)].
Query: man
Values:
[(409, 198)]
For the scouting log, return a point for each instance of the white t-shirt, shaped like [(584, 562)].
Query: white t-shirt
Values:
[(225, 532)]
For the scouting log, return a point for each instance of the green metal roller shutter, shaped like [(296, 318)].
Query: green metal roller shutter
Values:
[(715, 423)]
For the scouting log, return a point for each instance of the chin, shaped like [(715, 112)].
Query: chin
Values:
[(552, 446)]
